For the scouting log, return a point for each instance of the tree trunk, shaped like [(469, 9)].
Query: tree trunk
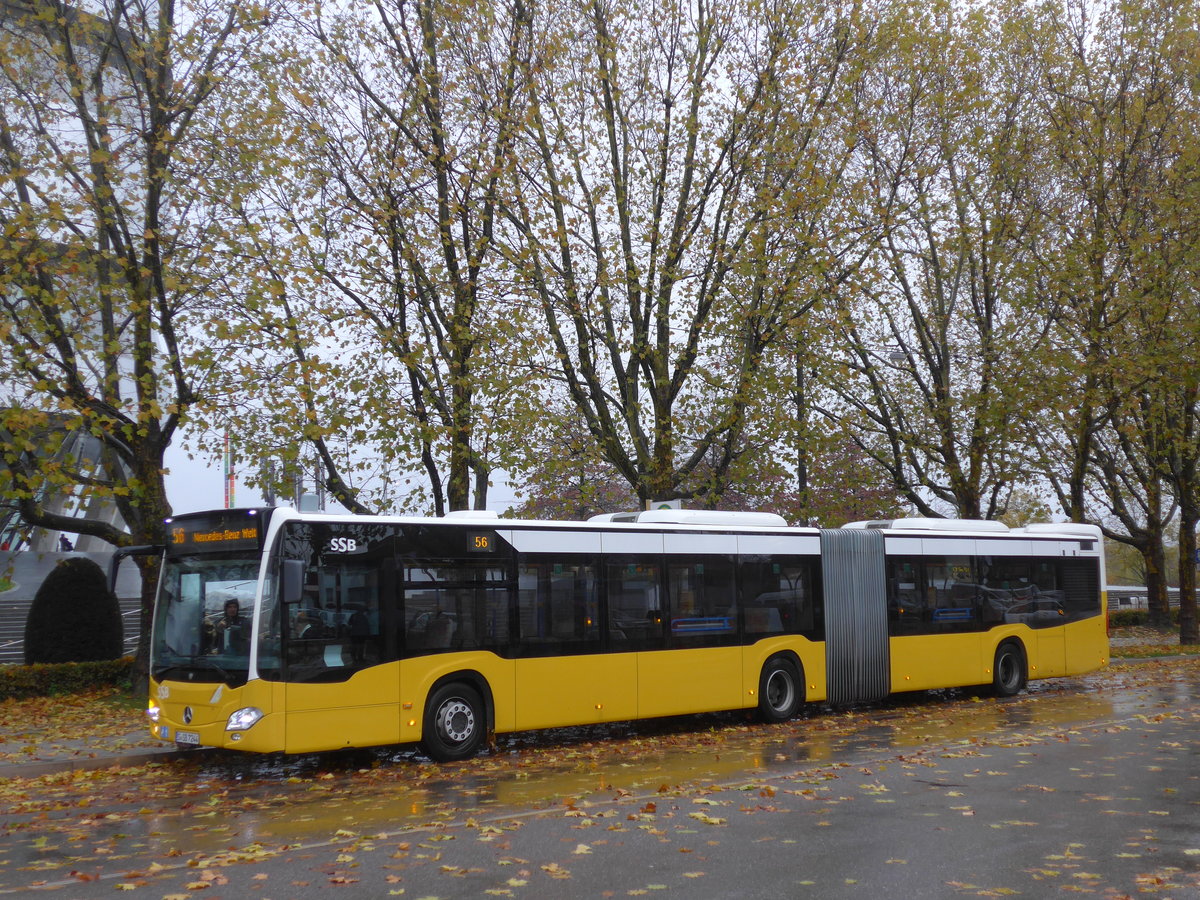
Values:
[(1156, 582), (1188, 633)]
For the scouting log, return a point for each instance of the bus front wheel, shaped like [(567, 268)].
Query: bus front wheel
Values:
[(780, 690), (1008, 672), (455, 722)]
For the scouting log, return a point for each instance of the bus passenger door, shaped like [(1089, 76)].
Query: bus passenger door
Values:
[(699, 668), (562, 677), (318, 711), (936, 619), (342, 684)]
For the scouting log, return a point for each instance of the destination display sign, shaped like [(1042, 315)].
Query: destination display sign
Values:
[(238, 529)]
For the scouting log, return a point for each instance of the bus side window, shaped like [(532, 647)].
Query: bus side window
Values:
[(635, 615), (1079, 580), (703, 603), (557, 607), (779, 597), (952, 594), (907, 609), (439, 631)]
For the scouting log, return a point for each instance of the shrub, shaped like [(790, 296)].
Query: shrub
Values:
[(48, 679), (1128, 618), (74, 617)]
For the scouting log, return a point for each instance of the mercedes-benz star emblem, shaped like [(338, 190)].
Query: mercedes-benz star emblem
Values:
[(187, 715)]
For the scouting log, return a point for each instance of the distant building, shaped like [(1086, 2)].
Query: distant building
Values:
[(63, 445), (1126, 596)]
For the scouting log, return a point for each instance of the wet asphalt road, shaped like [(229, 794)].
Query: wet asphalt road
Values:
[(1088, 785)]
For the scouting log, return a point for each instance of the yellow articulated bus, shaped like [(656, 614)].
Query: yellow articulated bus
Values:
[(276, 630)]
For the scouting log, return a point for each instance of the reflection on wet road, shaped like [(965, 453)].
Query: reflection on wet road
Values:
[(219, 805)]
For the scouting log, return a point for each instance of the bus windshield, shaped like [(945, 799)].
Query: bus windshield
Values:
[(203, 616)]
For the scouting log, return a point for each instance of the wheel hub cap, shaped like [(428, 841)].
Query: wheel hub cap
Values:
[(457, 721)]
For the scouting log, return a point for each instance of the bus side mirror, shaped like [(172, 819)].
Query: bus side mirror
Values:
[(293, 580), (114, 563)]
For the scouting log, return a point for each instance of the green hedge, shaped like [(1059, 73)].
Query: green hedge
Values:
[(46, 679), (1127, 618), (74, 616)]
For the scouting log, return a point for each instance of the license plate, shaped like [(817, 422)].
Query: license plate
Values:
[(187, 738)]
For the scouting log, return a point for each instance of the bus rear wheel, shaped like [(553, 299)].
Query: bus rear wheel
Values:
[(780, 690), (454, 723), (1008, 672)]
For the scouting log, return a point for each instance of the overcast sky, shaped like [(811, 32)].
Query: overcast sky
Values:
[(199, 484)]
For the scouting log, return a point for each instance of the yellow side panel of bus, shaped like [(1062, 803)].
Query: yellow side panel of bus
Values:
[(361, 712), (1051, 657), (812, 657), (926, 661), (676, 682), (1087, 645), (574, 690)]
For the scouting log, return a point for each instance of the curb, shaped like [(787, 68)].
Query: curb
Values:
[(89, 764)]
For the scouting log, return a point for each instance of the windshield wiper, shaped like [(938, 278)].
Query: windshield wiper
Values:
[(197, 662), (161, 672), (225, 676)]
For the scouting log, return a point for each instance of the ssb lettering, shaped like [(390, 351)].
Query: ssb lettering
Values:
[(343, 545)]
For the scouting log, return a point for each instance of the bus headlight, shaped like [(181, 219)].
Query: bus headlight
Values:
[(244, 718), (153, 712)]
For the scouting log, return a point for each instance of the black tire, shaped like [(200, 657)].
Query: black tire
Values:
[(780, 690), (1008, 672), (455, 723)]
